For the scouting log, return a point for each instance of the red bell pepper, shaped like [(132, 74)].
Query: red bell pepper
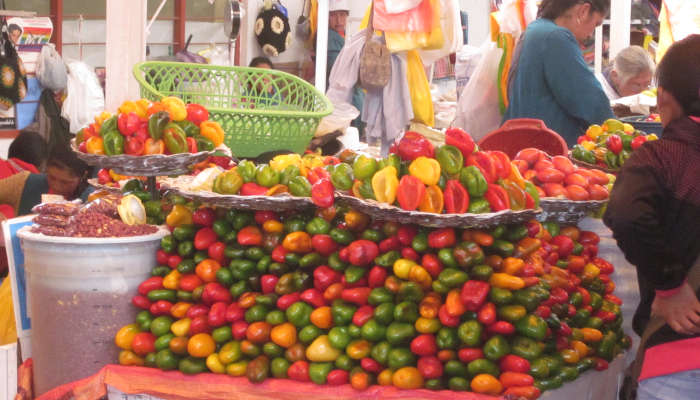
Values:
[(278, 254), (239, 330), (406, 233), (197, 310), (487, 314), (456, 197), (370, 365), (513, 363), (203, 217), (103, 177), (134, 146), (160, 307), (469, 354), (410, 192), (128, 123), (234, 312), (314, 297), (358, 295), (141, 302), (501, 328), (362, 315), (614, 143), (638, 142), (316, 174), (252, 189), (204, 238), (431, 264), (214, 292), (474, 294), (287, 300), (249, 236), (191, 145), (196, 113), (461, 140), (389, 244), (322, 193), (377, 277), (446, 319), (441, 238), (413, 145), (362, 252), (502, 164), (268, 283), (324, 276), (486, 165), (497, 197), (217, 314)]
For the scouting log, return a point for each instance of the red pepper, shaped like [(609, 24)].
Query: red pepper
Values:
[(474, 294), (324, 276), (424, 345), (585, 296), (446, 319), (487, 314), (234, 312), (216, 251), (196, 310), (252, 189), (513, 363), (614, 143), (214, 292), (431, 264), (287, 300), (361, 283), (430, 367), (612, 298), (199, 324), (299, 371), (174, 260), (103, 176), (497, 198), (389, 244), (516, 379), (371, 365), (314, 297), (142, 132), (203, 217), (217, 314), (141, 302), (268, 283), (358, 295), (501, 328), (239, 329), (152, 283), (134, 146), (638, 142), (529, 280), (204, 238), (461, 140), (191, 145), (377, 276), (196, 113), (606, 316), (543, 311), (324, 244), (362, 252), (600, 364), (486, 165), (322, 193), (128, 123), (456, 197), (249, 236), (413, 145), (317, 174), (564, 329), (362, 315), (441, 238), (337, 377), (469, 354), (502, 164), (278, 254), (410, 192), (160, 307), (408, 252), (605, 267), (263, 216), (406, 233), (559, 295)]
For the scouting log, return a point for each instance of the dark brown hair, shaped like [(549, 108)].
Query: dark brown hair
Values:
[(679, 73), (553, 9)]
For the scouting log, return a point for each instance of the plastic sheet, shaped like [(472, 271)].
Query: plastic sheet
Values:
[(419, 19)]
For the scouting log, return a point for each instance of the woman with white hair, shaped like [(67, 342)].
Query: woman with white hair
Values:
[(629, 74)]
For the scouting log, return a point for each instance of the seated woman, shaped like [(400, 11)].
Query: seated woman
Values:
[(260, 89), (629, 74)]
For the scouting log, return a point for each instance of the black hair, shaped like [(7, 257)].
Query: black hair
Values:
[(553, 9), (29, 147), (64, 158), (679, 73), (13, 27), (261, 60)]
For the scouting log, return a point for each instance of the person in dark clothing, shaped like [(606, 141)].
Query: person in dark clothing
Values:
[(29, 147), (654, 214)]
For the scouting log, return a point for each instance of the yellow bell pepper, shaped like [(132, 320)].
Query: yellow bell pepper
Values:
[(125, 336), (214, 364), (172, 280), (594, 131), (237, 368), (104, 115), (175, 107), (128, 357), (321, 350), (312, 160), (652, 136), (426, 169), (516, 176), (590, 272), (127, 107), (95, 145), (212, 131), (588, 145), (181, 327), (282, 161), (385, 183), (402, 267), (179, 215), (117, 177), (142, 106), (420, 276), (506, 281)]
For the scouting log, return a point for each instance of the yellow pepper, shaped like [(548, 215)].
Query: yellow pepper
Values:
[(312, 160), (652, 136), (506, 281), (237, 369), (590, 272), (95, 145), (127, 107), (172, 280), (385, 183), (128, 357), (175, 107), (594, 131), (125, 336), (179, 309), (321, 350), (426, 169), (402, 267), (104, 115), (427, 325), (214, 364), (516, 176), (358, 349), (420, 276), (230, 352), (117, 177), (384, 377), (588, 145), (581, 348), (142, 106), (282, 161), (512, 265), (356, 221), (212, 131), (179, 215), (181, 327)]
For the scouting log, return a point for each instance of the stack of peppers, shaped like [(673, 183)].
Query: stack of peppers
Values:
[(332, 297), (144, 128), (453, 178)]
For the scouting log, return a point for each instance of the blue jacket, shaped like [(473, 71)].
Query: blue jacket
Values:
[(553, 83)]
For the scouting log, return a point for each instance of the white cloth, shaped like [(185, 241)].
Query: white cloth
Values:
[(346, 69), (607, 87)]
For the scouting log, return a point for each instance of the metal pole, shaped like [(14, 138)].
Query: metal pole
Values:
[(322, 45)]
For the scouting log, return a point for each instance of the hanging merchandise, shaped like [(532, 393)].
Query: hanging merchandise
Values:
[(505, 42), (85, 97), (50, 69), (12, 74), (452, 32), (399, 6), (375, 62), (272, 29), (303, 28), (420, 90), (430, 40), (418, 19)]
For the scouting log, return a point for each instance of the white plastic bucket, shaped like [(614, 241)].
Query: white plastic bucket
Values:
[(79, 293)]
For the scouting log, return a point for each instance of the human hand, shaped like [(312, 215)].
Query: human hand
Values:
[(681, 310)]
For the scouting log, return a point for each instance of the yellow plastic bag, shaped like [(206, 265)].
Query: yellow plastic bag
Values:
[(433, 40), (420, 89), (8, 331)]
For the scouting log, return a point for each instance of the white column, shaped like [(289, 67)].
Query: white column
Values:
[(620, 19), (126, 46), (321, 46), (598, 66)]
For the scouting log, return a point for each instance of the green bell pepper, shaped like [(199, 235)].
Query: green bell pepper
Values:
[(532, 190), (108, 125), (398, 333), (266, 176), (190, 129), (339, 337), (400, 357), (229, 182), (384, 313), (341, 236), (450, 158), (503, 248), (319, 371), (496, 347), (157, 123), (380, 352), (469, 333), (406, 311), (482, 366), (318, 226), (342, 313), (479, 205), (299, 186), (288, 173), (298, 314), (175, 138), (354, 273), (113, 142), (526, 348), (500, 296), (387, 259), (336, 263), (456, 368), (341, 176), (373, 331), (447, 258), (473, 180), (203, 144), (247, 170), (452, 278), (532, 326), (390, 160), (581, 154), (447, 338), (364, 167), (410, 291), (611, 160)]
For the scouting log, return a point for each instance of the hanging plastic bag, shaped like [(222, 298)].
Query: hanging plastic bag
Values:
[(50, 69), (506, 43), (477, 111), (420, 89), (85, 97), (451, 30), (418, 19), (399, 6), (404, 41)]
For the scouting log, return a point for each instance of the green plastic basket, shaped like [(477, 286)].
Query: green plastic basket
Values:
[(260, 110)]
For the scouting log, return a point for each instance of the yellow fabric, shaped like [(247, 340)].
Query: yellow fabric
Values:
[(365, 19), (495, 26), (433, 40), (420, 89), (665, 34), (313, 22), (8, 330)]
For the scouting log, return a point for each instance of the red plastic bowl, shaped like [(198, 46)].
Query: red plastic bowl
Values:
[(518, 134)]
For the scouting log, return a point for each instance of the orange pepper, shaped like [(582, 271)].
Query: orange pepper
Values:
[(512, 265), (591, 335), (420, 276), (172, 280), (506, 281), (580, 348), (384, 377), (333, 292), (284, 335), (179, 309), (155, 107), (570, 356), (446, 355), (355, 190), (273, 226), (322, 318), (128, 357), (247, 299), (453, 303), (392, 283), (277, 189), (432, 200), (206, 270), (356, 221), (358, 349), (486, 384), (429, 305), (407, 378), (212, 131), (297, 242), (359, 380), (482, 238), (94, 145), (153, 146)]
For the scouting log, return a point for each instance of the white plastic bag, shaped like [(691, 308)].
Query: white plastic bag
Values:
[(50, 69), (85, 98), (451, 30), (477, 111), (341, 117), (399, 6), (465, 65)]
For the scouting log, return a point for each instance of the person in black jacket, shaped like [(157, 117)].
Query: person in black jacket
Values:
[(654, 214)]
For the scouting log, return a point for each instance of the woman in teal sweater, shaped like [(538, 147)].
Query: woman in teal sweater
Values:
[(550, 80)]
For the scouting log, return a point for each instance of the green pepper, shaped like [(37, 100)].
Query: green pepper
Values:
[(341, 176), (624, 156), (113, 143), (530, 297), (606, 346), (455, 383), (511, 312), (229, 182), (469, 333), (157, 123), (238, 289), (450, 158), (539, 368), (496, 347), (308, 333), (526, 348), (410, 291), (502, 247), (453, 278), (516, 232), (247, 170), (473, 180), (109, 125), (161, 270), (336, 263), (447, 258), (468, 254), (447, 338), (398, 333), (168, 243), (257, 313), (406, 312), (420, 242), (392, 160), (568, 373), (611, 160), (549, 383), (627, 142), (481, 272), (366, 190), (532, 326), (596, 300), (532, 190), (132, 185), (400, 357), (319, 371), (342, 313), (192, 366), (299, 186), (387, 259), (373, 235), (439, 287), (278, 367), (384, 313), (266, 176), (341, 236), (373, 331), (585, 364), (580, 318), (364, 167), (189, 127), (380, 352), (344, 362), (354, 274), (162, 294), (500, 296), (482, 366), (276, 317), (311, 260), (338, 337), (318, 226), (580, 153), (298, 314), (185, 249), (203, 144), (289, 172)]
